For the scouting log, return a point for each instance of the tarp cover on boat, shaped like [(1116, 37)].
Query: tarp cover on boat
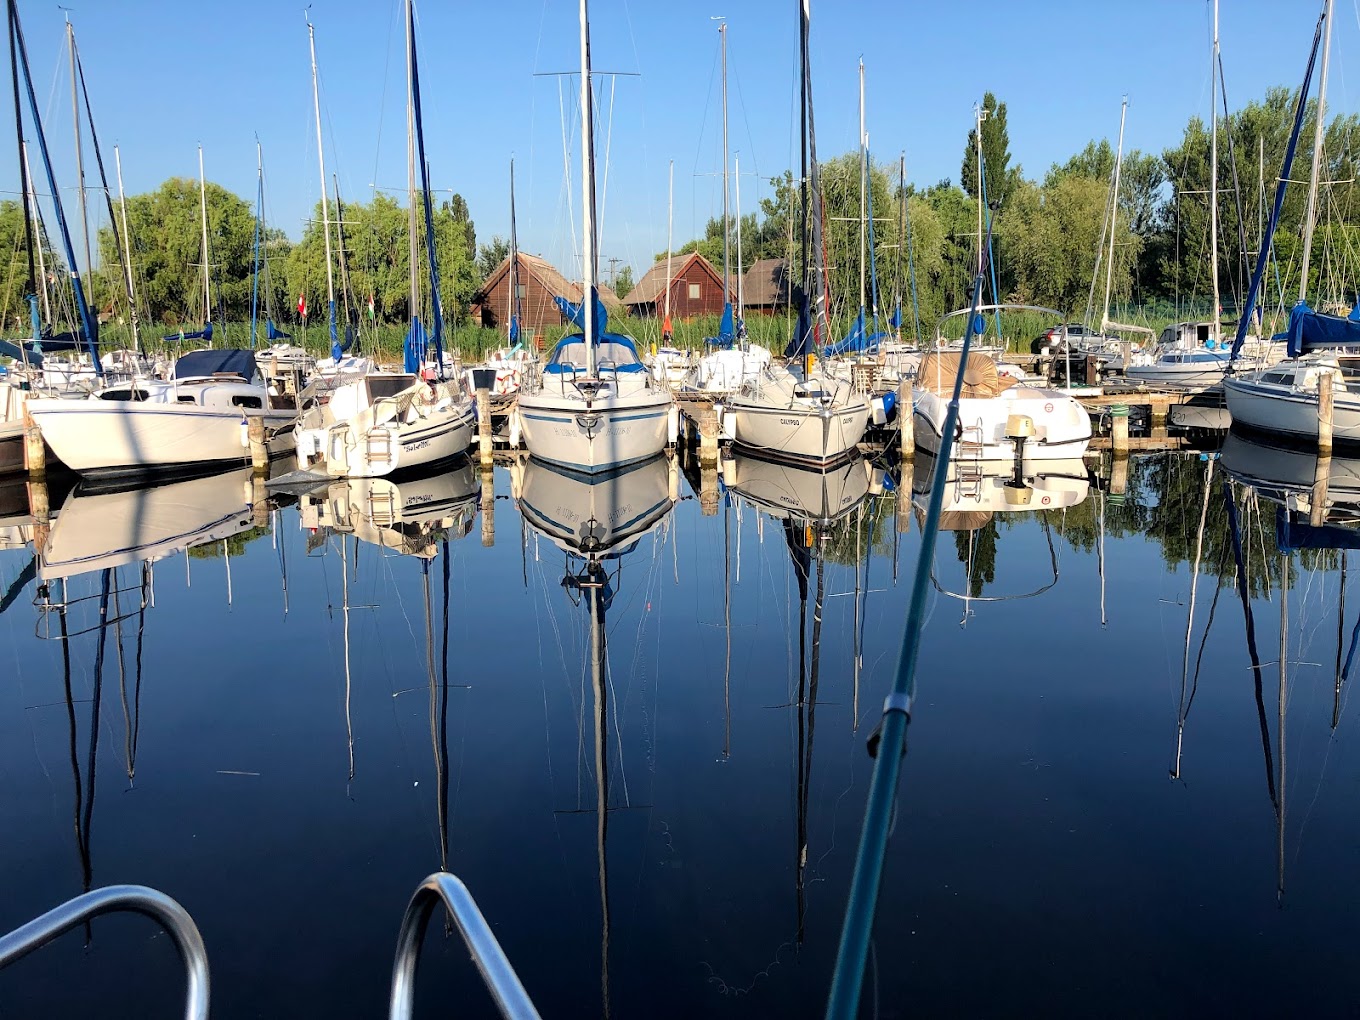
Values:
[(1309, 330), (1291, 534), (858, 339), (202, 364), (980, 377), (576, 316), (614, 351)]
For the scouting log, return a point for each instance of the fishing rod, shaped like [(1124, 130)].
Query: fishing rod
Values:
[(888, 743)]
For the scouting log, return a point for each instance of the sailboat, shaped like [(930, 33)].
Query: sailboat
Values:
[(198, 417), (596, 407), (791, 414), (1286, 398), (384, 422), (732, 359), (512, 363)]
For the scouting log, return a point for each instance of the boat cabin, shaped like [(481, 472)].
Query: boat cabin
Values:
[(1190, 334), (217, 379), (613, 353)]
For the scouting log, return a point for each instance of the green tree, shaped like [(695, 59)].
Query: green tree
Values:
[(623, 284), (999, 176), (491, 255)]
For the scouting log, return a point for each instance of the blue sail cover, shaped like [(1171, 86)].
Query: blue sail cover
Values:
[(417, 343), (726, 331), (203, 364), (896, 320), (574, 314), (272, 332), (203, 334), (50, 343), (618, 350), (800, 345), (9, 349), (1291, 534), (514, 329), (1310, 330)]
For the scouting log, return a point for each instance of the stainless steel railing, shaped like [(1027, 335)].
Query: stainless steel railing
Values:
[(137, 899), (499, 976)]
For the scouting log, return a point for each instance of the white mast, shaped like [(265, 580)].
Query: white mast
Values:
[(670, 228), (80, 162), (587, 195), (736, 173), (513, 271), (37, 237), (727, 221), (1114, 215), (1213, 175), (980, 112), (863, 184), (127, 251), (321, 166), (203, 209), (411, 171), (1319, 131)]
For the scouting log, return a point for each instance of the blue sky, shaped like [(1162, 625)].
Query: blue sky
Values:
[(165, 76)]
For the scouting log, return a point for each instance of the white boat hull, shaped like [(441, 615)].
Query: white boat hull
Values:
[(98, 531), (437, 436), (805, 431), (1062, 427), (560, 427), (118, 437), (787, 491), (1291, 413)]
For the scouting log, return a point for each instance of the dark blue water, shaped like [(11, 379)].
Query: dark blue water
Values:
[(1052, 854)]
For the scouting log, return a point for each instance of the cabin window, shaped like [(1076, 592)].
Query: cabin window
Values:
[(694, 292), (521, 291), (245, 401), (187, 400)]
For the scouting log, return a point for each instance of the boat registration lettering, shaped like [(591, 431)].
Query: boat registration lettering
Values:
[(419, 445), (790, 421)]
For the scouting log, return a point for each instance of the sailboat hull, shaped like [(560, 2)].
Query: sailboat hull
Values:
[(114, 437), (561, 427), (1280, 411), (1062, 427)]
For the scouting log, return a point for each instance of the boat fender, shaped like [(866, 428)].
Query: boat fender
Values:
[(245, 433)]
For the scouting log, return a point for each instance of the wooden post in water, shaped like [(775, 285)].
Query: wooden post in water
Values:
[(906, 424), (488, 506), (1119, 429), (708, 438), (904, 487), (40, 510), (35, 450), (1322, 470), (1119, 473), (1325, 406), (259, 501), (484, 425), (709, 497), (259, 449)]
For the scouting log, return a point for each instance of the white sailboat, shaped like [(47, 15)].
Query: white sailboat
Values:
[(596, 406), (383, 422), (1286, 398), (796, 416)]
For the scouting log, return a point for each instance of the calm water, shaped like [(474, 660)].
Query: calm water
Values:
[(609, 726)]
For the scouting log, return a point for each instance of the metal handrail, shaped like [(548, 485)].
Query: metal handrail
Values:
[(497, 973), (138, 899)]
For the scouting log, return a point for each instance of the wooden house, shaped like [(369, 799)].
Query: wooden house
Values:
[(539, 282), (766, 288), (696, 289)]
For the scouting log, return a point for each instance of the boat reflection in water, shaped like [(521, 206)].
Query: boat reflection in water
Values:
[(812, 506), (597, 521), (1317, 505), (407, 516), (975, 493)]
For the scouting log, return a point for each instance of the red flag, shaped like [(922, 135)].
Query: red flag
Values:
[(302, 305)]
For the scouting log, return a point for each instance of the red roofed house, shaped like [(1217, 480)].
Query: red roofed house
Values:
[(696, 289)]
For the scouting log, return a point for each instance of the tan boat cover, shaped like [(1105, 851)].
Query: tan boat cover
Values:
[(980, 377), (957, 520)]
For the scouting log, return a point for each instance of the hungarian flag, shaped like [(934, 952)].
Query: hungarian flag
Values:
[(302, 305), (372, 315)]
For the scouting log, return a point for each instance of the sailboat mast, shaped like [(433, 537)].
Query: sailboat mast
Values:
[(255, 267), (1213, 175), (80, 161), (596, 609), (33, 235), (512, 296), (588, 195), (321, 168), (863, 186), (411, 168), (1319, 132), (978, 112), (35, 245), (736, 174), (670, 236), (727, 220), (1114, 215), (203, 210), (127, 250)]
